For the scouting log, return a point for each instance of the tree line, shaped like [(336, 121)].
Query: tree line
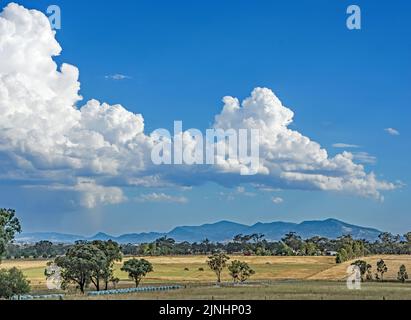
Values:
[(344, 248)]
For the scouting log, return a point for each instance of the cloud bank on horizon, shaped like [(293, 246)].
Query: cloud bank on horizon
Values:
[(97, 149)]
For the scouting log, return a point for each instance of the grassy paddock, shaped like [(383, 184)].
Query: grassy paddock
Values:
[(172, 269), (275, 278)]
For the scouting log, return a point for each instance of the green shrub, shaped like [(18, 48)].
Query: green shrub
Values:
[(13, 282)]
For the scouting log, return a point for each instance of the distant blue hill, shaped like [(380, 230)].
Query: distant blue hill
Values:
[(222, 231), (50, 236)]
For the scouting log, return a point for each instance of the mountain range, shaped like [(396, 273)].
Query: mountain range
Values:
[(221, 231)]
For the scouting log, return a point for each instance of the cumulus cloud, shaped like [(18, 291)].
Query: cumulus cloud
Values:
[(290, 159), (92, 195), (161, 197), (46, 138), (392, 131), (43, 135)]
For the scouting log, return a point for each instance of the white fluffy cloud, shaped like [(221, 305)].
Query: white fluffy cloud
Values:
[(45, 137), (290, 159), (92, 195), (41, 127)]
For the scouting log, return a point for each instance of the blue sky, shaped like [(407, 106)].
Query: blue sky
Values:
[(182, 57)]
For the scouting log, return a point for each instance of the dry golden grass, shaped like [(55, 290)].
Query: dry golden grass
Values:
[(313, 275), (393, 262), (32, 269), (172, 269), (23, 264)]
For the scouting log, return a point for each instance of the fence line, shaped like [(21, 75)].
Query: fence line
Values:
[(133, 290)]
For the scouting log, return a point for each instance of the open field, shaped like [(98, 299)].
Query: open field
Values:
[(172, 269), (275, 278)]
